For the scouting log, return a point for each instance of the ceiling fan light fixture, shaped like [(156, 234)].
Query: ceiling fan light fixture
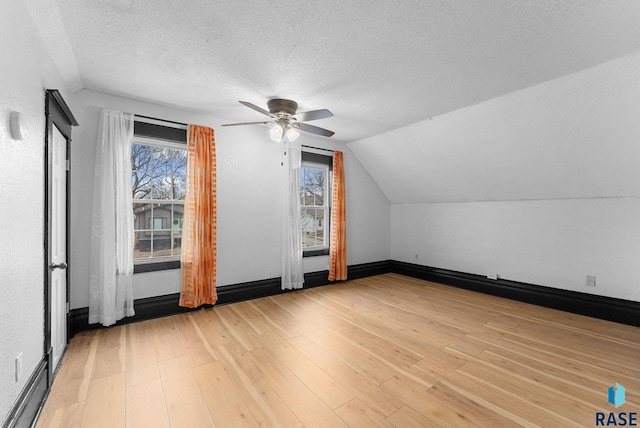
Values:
[(276, 132), (292, 134), (283, 114)]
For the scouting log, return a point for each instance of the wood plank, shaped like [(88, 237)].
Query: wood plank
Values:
[(226, 406), (62, 417), (357, 413), (622, 333), (194, 343), (267, 407), (324, 386), (414, 395), (71, 385), (560, 403), (146, 406), (305, 309), (274, 322), (239, 330), (408, 417), (362, 360), (311, 411), (142, 364), (166, 339), (253, 317), (112, 351), (359, 385), (513, 407), (106, 403), (465, 404), (211, 327), (439, 363), (185, 404), (598, 347)]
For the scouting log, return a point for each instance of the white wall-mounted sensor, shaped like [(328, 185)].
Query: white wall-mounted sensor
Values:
[(18, 126)]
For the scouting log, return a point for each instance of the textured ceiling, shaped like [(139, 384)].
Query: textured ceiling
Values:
[(377, 65)]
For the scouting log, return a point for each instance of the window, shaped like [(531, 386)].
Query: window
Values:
[(315, 199), (158, 179), (159, 223)]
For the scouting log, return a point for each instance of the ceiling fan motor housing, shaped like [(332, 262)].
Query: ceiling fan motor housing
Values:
[(281, 106)]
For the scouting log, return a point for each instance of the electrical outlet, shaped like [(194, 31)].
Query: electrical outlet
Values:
[(591, 281), (18, 366), (492, 275)]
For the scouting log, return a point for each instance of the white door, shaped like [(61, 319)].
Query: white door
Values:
[(58, 245)]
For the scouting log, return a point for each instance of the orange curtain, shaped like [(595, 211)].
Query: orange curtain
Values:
[(199, 223), (338, 249)]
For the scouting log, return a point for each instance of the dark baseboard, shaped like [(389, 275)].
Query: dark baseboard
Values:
[(606, 308), (152, 307), (161, 306), (28, 405)]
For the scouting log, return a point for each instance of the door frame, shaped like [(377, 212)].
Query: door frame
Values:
[(58, 116)]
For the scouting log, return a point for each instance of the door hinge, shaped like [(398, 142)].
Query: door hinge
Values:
[(68, 307), (68, 165)]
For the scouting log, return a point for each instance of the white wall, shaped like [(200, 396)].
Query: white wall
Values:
[(554, 243), (25, 73), (248, 192), (539, 186)]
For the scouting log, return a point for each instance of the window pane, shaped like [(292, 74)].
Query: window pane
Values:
[(176, 228), (320, 227), (168, 177), (312, 227), (303, 174), (158, 173), (142, 244), (141, 171), (142, 236), (141, 214), (161, 231), (320, 196), (312, 186), (159, 223)]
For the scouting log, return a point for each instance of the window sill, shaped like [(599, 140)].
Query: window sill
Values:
[(314, 253), (156, 266)]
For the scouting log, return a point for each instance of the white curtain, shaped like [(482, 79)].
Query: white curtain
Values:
[(111, 266), (292, 272)]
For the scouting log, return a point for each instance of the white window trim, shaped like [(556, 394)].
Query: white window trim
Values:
[(158, 143), (326, 207), (165, 144)]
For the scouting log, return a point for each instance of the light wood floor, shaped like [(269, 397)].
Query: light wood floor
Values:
[(386, 351)]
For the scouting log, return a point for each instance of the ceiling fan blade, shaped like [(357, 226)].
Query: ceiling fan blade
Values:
[(247, 123), (313, 129), (256, 108), (313, 115)]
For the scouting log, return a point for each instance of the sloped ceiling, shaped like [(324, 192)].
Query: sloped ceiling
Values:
[(573, 137), (377, 65)]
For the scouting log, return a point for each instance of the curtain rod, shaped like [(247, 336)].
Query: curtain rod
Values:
[(318, 148), (161, 120)]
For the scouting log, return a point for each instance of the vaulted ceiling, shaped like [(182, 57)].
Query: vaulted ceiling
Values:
[(376, 65)]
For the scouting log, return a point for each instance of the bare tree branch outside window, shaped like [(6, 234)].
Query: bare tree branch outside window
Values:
[(158, 187)]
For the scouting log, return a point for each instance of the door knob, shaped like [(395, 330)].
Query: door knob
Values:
[(62, 265)]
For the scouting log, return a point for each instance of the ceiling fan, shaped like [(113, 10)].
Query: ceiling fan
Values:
[(285, 120)]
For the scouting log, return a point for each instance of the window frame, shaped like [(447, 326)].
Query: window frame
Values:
[(312, 159), (155, 132)]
